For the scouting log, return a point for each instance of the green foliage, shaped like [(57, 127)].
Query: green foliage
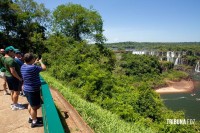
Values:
[(140, 64), (119, 83), (8, 20), (166, 65), (90, 70), (149, 105), (191, 60), (100, 120), (77, 22), (175, 75), (190, 47), (23, 25)]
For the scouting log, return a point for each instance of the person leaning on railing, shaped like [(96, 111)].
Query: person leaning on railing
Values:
[(32, 83)]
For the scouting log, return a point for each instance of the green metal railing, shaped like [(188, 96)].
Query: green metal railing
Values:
[(51, 120)]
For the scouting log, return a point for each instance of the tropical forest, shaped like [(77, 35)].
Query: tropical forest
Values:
[(112, 89)]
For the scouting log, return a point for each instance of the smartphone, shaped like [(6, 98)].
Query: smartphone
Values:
[(39, 56)]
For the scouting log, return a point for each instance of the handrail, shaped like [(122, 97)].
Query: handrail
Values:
[(51, 120)]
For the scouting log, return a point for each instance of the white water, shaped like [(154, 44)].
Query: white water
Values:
[(197, 67), (170, 56), (178, 60)]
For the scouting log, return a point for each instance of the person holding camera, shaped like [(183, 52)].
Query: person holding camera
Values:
[(32, 84)]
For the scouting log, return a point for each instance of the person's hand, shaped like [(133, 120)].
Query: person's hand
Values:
[(36, 61), (40, 60)]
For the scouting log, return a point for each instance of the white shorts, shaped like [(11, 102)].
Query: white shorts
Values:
[(2, 75)]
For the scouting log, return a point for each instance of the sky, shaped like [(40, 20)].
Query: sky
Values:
[(144, 20)]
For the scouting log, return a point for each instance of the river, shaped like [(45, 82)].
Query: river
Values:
[(187, 102)]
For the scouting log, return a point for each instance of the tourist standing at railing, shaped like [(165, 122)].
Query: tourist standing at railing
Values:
[(32, 84), (2, 71), (13, 77), (18, 59)]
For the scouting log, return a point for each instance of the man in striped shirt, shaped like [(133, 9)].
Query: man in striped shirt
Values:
[(30, 75)]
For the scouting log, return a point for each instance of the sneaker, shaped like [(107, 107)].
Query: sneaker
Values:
[(20, 106), (37, 124), (17, 107), (38, 119), (14, 107)]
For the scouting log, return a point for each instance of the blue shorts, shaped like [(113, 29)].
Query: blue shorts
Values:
[(34, 98), (14, 84)]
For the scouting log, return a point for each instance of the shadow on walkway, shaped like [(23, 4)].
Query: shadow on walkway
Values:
[(15, 121)]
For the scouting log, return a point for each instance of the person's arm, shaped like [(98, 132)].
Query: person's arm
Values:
[(42, 65), (14, 73)]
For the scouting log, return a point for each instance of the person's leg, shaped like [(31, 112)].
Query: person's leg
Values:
[(15, 97), (11, 95), (35, 121), (27, 95), (10, 86), (34, 113), (29, 109), (2, 75), (16, 85), (35, 103), (5, 87)]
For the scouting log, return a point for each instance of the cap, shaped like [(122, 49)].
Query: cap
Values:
[(9, 48), (17, 51)]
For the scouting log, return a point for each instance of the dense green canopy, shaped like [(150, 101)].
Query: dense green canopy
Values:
[(121, 83), (77, 22)]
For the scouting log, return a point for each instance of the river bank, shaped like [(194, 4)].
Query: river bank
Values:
[(183, 86)]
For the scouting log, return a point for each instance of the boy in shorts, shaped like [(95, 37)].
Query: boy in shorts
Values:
[(32, 84)]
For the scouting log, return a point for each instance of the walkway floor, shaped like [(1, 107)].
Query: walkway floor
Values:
[(15, 121)]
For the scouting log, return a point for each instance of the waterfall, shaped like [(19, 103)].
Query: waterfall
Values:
[(177, 61), (172, 54), (168, 55), (197, 67)]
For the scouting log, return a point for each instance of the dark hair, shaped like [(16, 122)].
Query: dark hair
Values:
[(28, 57), (6, 52)]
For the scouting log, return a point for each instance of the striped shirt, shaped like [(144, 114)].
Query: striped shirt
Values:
[(30, 75)]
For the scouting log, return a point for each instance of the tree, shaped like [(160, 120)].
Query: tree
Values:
[(33, 19), (23, 24), (77, 22), (8, 21)]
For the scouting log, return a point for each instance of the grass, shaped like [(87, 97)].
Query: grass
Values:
[(100, 120)]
